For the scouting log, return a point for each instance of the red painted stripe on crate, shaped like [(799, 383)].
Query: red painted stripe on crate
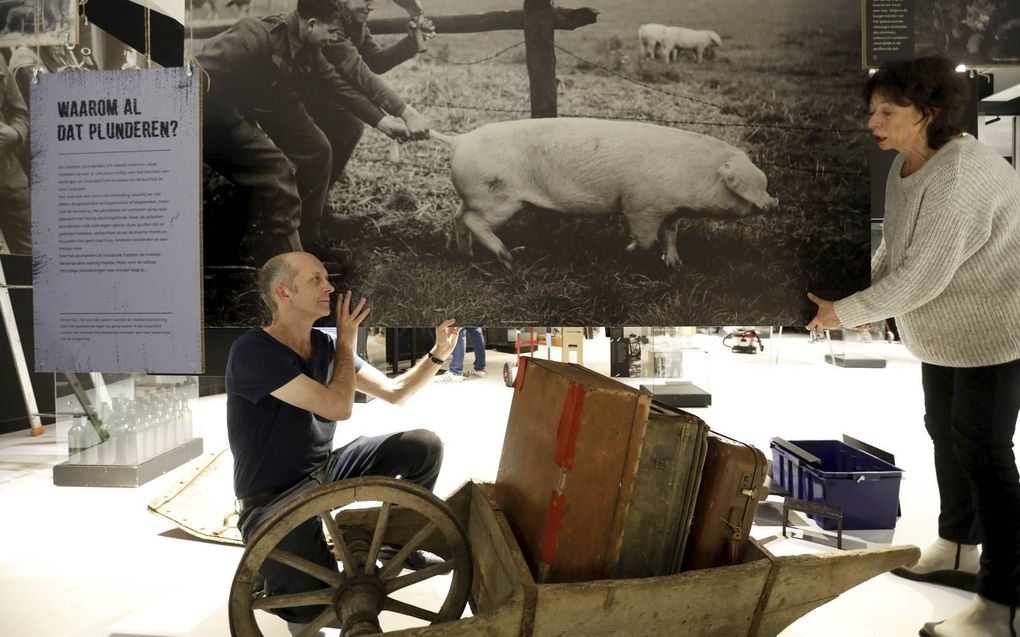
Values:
[(570, 422), (553, 520)]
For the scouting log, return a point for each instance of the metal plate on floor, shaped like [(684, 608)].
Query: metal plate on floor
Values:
[(202, 503)]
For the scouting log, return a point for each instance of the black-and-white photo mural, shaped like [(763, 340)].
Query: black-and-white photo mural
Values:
[(18, 66), (38, 22), (707, 164), (974, 32)]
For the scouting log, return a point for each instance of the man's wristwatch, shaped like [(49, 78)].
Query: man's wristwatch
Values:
[(435, 359)]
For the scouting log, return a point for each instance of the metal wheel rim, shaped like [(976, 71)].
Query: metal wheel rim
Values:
[(509, 372)]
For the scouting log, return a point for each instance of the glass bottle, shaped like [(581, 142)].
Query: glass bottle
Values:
[(132, 442), (146, 430), (77, 441), (106, 450), (159, 419), (187, 424)]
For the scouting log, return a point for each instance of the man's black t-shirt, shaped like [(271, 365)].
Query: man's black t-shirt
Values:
[(275, 444)]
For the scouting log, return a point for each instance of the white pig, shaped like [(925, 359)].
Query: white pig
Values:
[(653, 175), (681, 38), (652, 39)]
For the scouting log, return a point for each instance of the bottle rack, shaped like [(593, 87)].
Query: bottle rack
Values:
[(124, 429)]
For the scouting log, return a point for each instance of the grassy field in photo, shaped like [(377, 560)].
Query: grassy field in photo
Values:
[(784, 88)]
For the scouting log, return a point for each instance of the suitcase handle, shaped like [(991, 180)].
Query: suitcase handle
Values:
[(804, 455)]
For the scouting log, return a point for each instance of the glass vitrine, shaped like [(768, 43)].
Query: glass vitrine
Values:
[(123, 429)]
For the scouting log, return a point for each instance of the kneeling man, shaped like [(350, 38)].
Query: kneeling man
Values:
[(287, 386)]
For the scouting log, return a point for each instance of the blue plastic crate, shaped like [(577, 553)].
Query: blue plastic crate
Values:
[(866, 488)]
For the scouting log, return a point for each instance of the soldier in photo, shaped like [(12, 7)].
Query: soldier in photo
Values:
[(258, 133), (15, 207), (342, 128)]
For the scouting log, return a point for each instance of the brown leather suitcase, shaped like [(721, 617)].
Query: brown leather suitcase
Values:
[(732, 485), (568, 466)]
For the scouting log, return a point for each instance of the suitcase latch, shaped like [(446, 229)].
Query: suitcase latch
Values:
[(745, 486)]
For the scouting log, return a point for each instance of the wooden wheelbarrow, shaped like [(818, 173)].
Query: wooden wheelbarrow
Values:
[(761, 596)]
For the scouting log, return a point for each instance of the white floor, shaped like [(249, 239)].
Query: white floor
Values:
[(87, 562)]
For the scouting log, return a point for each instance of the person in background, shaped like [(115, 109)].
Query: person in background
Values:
[(457, 373), (54, 14), (287, 386), (947, 270)]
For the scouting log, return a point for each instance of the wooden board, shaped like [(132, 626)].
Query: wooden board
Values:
[(719, 601), (802, 583), (502, 589)]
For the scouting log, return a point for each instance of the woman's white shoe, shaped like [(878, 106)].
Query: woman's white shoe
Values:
[(946, 563), (983, 618)]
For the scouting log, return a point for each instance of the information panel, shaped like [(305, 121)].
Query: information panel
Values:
[(973, 32), (116, 183), (888, 29)]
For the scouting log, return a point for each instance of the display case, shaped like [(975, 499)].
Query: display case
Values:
[(858, 347), (670, 362), (123, 429)]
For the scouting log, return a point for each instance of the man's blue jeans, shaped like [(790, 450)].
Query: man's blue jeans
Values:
[(477, 344), (415, 456)]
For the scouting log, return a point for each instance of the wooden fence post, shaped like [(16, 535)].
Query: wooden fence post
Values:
[(538, 42)]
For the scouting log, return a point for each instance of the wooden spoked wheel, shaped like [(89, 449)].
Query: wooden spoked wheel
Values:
[(408, 515)]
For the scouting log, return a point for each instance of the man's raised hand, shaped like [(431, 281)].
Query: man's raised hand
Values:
[(446, 337), (421, 30), (348, 320)]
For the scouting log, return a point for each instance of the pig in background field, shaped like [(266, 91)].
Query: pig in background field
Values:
[(653, 41), (669, 41), (683, 39), (653, 175)]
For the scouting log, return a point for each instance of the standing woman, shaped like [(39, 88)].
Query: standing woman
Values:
[(948, 269)]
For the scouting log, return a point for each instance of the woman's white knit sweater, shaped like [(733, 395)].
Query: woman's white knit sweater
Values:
[(948, 267)]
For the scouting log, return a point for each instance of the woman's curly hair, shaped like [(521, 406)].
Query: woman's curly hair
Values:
[(931, 85)]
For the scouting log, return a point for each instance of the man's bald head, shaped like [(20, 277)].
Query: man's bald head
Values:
[(277, 270)]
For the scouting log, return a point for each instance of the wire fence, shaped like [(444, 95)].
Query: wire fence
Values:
[(486, 59), (816, 170), (656, 89)]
